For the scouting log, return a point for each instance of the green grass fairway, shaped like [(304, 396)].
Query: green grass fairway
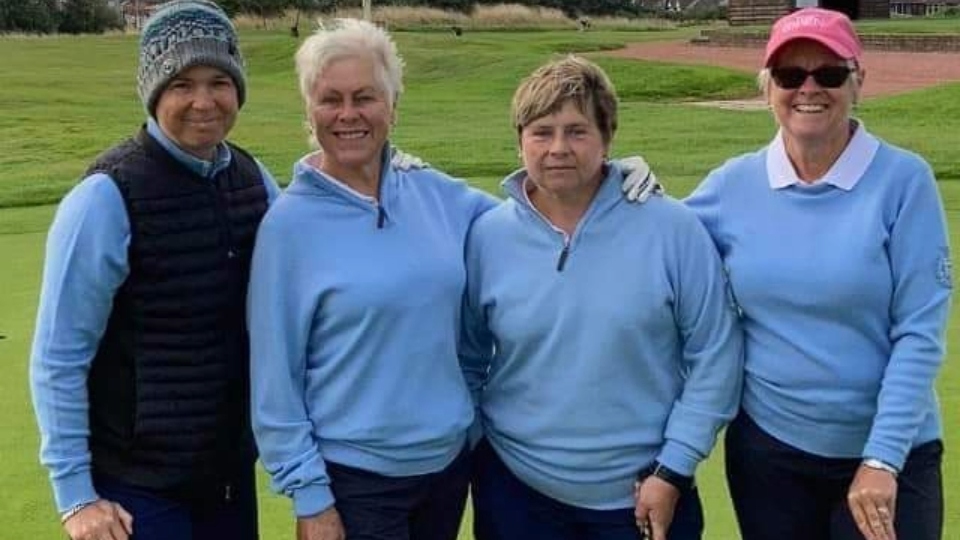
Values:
[(63, 99)]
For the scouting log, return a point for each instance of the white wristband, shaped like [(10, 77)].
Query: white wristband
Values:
[(872, 463)]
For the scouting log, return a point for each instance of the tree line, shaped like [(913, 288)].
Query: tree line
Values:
[(65, 16), (572, 8), (96, 16)]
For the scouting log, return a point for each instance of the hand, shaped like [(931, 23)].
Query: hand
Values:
[(100, 520), (655, 503), (639, 182), (324, 526), (873, 499), (404, 161)]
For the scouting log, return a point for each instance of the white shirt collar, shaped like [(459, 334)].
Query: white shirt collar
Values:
[(844, 173)]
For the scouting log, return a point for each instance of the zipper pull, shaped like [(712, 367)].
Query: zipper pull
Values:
[(563, 258), (227, 496), (381, 216)]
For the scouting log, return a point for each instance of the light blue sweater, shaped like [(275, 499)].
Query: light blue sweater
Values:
[(354, 310), (86, 262), (845, 293), (628, 353)]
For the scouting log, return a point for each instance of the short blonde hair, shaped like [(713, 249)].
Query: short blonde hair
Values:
[(350, 38), (572, 79)]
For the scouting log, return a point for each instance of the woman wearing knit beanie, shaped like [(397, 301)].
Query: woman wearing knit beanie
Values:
[(140, 364)]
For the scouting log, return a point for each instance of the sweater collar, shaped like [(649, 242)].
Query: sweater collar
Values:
[(311, 179), (200, 167), (608, 195)]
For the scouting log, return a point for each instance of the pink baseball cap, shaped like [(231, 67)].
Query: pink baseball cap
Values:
[(829, 28)]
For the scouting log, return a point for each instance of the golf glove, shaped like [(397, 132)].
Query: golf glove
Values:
[(639, 182), (404, 161)]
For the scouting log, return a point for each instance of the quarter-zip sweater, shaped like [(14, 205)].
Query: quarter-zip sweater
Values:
[(354, 311), (587, 369)]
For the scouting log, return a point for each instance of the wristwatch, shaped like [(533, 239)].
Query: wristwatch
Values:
[(873, 463), (682, 482)]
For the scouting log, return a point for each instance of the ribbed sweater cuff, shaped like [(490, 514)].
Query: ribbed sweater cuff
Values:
[(678, 457), (72, 490), (311, 500)]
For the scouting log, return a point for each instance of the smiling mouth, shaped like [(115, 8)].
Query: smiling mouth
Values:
[(203, 121), (351, 135), (809, 108)]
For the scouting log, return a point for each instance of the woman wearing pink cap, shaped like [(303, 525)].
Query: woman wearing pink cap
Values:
[(837, 251)]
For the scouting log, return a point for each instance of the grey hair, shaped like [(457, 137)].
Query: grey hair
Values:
[(350, 38), (764, 80)]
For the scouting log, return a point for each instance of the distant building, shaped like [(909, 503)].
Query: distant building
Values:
[(921, 8), (742, 12), (135, 12)]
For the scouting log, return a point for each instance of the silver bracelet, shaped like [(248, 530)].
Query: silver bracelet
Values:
[(74, 510), (872, 463)]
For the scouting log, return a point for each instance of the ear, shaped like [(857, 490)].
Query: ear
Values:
[(861, 75)]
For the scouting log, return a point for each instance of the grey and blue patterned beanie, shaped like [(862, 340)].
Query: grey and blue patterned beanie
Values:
[(182, 34)]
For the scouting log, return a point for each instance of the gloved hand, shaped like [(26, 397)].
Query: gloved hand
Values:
[(404, 161), (639, 182)]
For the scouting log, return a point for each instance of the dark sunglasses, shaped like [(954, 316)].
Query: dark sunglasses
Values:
[(793, 77)]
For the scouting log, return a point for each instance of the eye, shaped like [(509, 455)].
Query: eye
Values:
[(541, 133)]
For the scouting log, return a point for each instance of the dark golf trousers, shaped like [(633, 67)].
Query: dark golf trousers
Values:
[(190, 515), (782, 493), (422, 507), (507, 509)]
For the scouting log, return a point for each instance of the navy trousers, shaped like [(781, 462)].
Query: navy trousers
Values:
[(782, 493), (507, 509), (423, 507), (227, 511)]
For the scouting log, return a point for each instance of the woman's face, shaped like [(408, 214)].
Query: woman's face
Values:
[(812, 113), (350, 114), (563, 153)]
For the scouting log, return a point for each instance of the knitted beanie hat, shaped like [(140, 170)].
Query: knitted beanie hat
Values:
[(182, 34)]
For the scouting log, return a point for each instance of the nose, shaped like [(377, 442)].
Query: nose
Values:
[(809, 84), (348, 110), (203, 98), (558, 144)]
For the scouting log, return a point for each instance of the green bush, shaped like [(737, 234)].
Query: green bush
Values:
[(88, 17)]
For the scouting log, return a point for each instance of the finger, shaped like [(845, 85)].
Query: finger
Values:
[(642, 515), (641, 188), (659, 529), (125, 519), (874, 524), (859, 516), (886, 518), (116, 531)]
